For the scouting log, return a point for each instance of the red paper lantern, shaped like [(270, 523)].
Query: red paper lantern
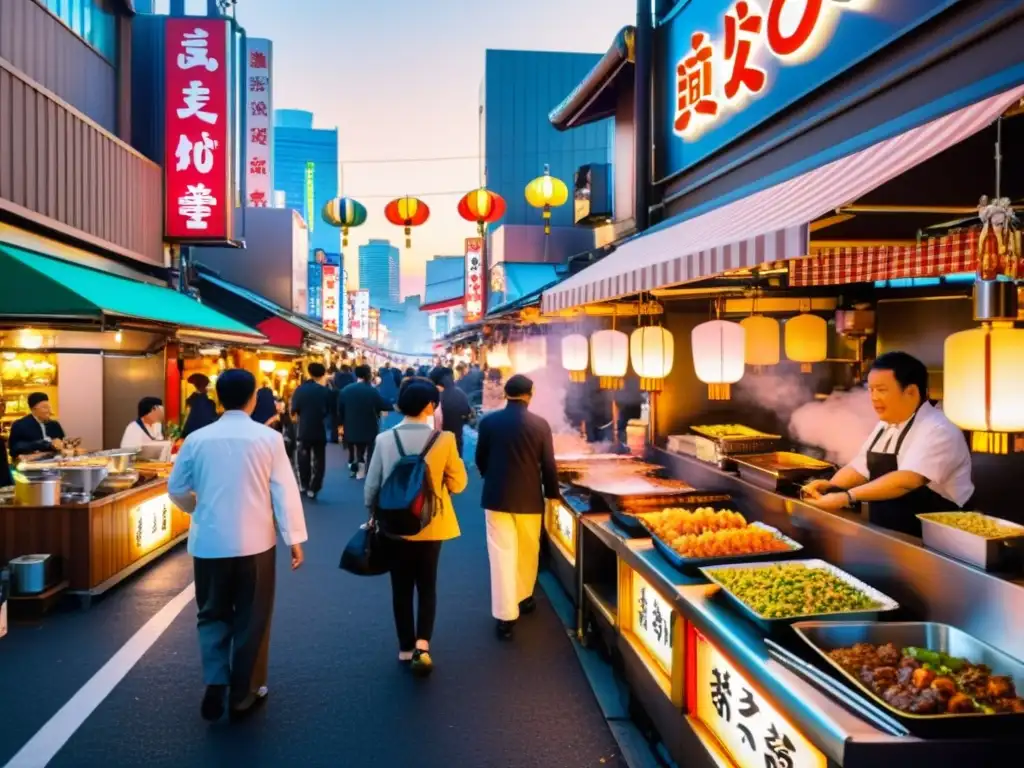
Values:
[(407, 212), (482, 207)]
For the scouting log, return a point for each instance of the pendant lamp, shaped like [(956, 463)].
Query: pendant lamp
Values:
[(576, 356), (719, 347), (762, 344), (652, 352), (497, 357), (609, 357), (806, 340)]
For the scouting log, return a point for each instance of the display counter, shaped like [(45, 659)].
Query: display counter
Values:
[(97, 544)]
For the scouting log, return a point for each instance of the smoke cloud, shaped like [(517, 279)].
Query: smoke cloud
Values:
[(782, 394), (839, 424)]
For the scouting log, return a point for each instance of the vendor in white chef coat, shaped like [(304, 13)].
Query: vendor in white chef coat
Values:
[(148, 428), (916, 460)]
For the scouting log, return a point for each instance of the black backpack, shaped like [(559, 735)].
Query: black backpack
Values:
[(405, 501)]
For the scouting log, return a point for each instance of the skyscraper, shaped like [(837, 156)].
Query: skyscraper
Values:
[(520, 89), (379, 270), (306, 170)]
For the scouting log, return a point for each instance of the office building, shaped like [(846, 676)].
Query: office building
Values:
[(444, 295), (306, 171), (379, 270)]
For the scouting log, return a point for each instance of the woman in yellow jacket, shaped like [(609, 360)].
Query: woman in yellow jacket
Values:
[(413, 559)]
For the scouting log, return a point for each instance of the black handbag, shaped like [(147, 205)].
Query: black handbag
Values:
[(364, 554)]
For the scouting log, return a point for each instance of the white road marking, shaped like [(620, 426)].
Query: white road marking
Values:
[(59, 729)]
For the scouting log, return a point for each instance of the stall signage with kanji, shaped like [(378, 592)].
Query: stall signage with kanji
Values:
[(197, 152), (331, 294), (360, 319), (259, 128), (474, 309), (653, 621), (753, 733), (150, 524), (563, 525), (731, 64)]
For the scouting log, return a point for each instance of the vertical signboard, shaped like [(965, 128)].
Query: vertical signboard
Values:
[(331, 294), (197, 154), (360, 321), (259, 139), (315, 306), (346, 310), (474, 296), (309, 196)]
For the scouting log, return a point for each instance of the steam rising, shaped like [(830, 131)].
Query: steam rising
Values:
[(840, 424)]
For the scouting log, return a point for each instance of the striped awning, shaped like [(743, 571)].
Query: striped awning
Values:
[(771, 224)]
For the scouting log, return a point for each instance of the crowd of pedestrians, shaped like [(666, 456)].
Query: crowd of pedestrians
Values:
[(242, 478)]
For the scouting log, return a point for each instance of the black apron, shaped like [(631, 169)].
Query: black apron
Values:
[(901, 514), (145, 429)]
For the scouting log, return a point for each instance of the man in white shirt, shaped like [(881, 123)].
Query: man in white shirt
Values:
[(916, 460), (235, 479), (148, 427)]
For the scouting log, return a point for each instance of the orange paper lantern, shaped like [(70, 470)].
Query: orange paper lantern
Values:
[(482, 207), (407, 212)]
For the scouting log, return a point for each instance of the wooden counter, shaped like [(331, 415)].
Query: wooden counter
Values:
[(96, 545)]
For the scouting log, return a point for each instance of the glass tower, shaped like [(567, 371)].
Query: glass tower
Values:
[(379, 270)]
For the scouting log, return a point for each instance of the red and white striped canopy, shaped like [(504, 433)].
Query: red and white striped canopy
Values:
[(770, 225)]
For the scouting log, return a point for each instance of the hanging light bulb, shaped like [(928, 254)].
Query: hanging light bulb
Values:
[(806, 340), (609, 357), (652, 351), (576, 356), (719, 347), (762, 345), (118, 337)]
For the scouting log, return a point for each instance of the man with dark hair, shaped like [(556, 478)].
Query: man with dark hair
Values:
[(359, 409), (455, 410), (515, 453), (234, 478), (916, 460), (38, 432), (148, 427), (312, 403)]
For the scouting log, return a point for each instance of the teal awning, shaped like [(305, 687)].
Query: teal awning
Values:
[(38, 288)]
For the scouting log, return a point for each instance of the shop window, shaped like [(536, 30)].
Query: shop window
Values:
[(92, 20)]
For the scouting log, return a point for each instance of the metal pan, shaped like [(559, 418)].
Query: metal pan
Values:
[(884, 602), (740, 440), (773, 470), (823, 637), (694, 564), (991, 554), (625, 513)]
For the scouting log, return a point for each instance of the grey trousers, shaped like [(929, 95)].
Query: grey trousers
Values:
[(235, 596)]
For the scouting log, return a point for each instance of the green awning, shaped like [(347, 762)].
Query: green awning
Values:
[(37, 287)]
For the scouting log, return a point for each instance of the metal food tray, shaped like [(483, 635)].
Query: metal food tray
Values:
[(885, 603), (626, 516), (691, 564), (990, 554), (823, 637), (572, 471), (770, 470), (729, 445)]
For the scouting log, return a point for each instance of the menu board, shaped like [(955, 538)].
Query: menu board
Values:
[(750, 730), (653, 621)]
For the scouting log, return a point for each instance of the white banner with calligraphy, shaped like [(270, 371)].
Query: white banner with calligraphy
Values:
[(360, 320), (259, 130), (653, 621)]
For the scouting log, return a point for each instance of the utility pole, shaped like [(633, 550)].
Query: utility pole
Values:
[(643, 48)]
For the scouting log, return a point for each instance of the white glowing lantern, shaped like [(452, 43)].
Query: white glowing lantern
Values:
[(529, 354), (576, 356), (497, 357), (267, 366), (609, 357), (762, 345), (652, 351), (719, 347), (806, 340), (981, 382)]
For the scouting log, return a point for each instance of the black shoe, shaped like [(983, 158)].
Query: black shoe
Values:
[(212, 709), (504, 629), (421, 665), (527, 606), (245, 707)]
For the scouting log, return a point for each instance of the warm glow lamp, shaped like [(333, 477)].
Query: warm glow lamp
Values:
[(576, 356), (546, 192), (497, 357), (267, 366), (609, 357), (983, 370), (344, 212), (762, 345), (407, 212), (529, 354), (806, 340), (719, 347), (652, 351)]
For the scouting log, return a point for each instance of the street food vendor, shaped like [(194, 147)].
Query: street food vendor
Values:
[(915, 461), (148, 427), (38, 432)]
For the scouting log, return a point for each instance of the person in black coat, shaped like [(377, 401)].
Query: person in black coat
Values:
[(37, 432), (515, 453), (5, 466), (359, 408), (202, 411), (455, 408), (312, 403), (344, 377)]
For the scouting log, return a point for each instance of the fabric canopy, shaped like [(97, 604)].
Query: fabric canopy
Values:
[(771, 224), (34, 286)]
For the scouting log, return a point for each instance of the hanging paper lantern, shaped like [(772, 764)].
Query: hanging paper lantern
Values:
[(609, 357), (806, 340), (762, 340), (497, 357), (344, 212), (576, 356), (547, 192), (407, 212), (529, 354), (652, 351), (719, 347), (482, 207), (982, 374)]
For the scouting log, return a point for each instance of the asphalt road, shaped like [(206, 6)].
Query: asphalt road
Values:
[(338, 695)]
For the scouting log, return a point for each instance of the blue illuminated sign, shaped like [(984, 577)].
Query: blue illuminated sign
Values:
[(315, 293), (729, 65)]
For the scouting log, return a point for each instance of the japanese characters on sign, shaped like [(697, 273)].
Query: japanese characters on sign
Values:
[(259, 129), (310, 196), (563, 526), (331, 294), (315, 306), (197, 164), (474, 301), (653, 621), (360, 320), (745, 724), (150, 524)]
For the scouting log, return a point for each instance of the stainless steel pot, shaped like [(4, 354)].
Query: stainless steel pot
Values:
[(120, 459), (37, 489)]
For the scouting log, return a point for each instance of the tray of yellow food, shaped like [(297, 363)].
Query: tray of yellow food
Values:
[(629, 516), (988, 542), (691, 539), (729, 439)]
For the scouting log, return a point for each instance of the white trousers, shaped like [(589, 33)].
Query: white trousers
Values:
[(513, 548)]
